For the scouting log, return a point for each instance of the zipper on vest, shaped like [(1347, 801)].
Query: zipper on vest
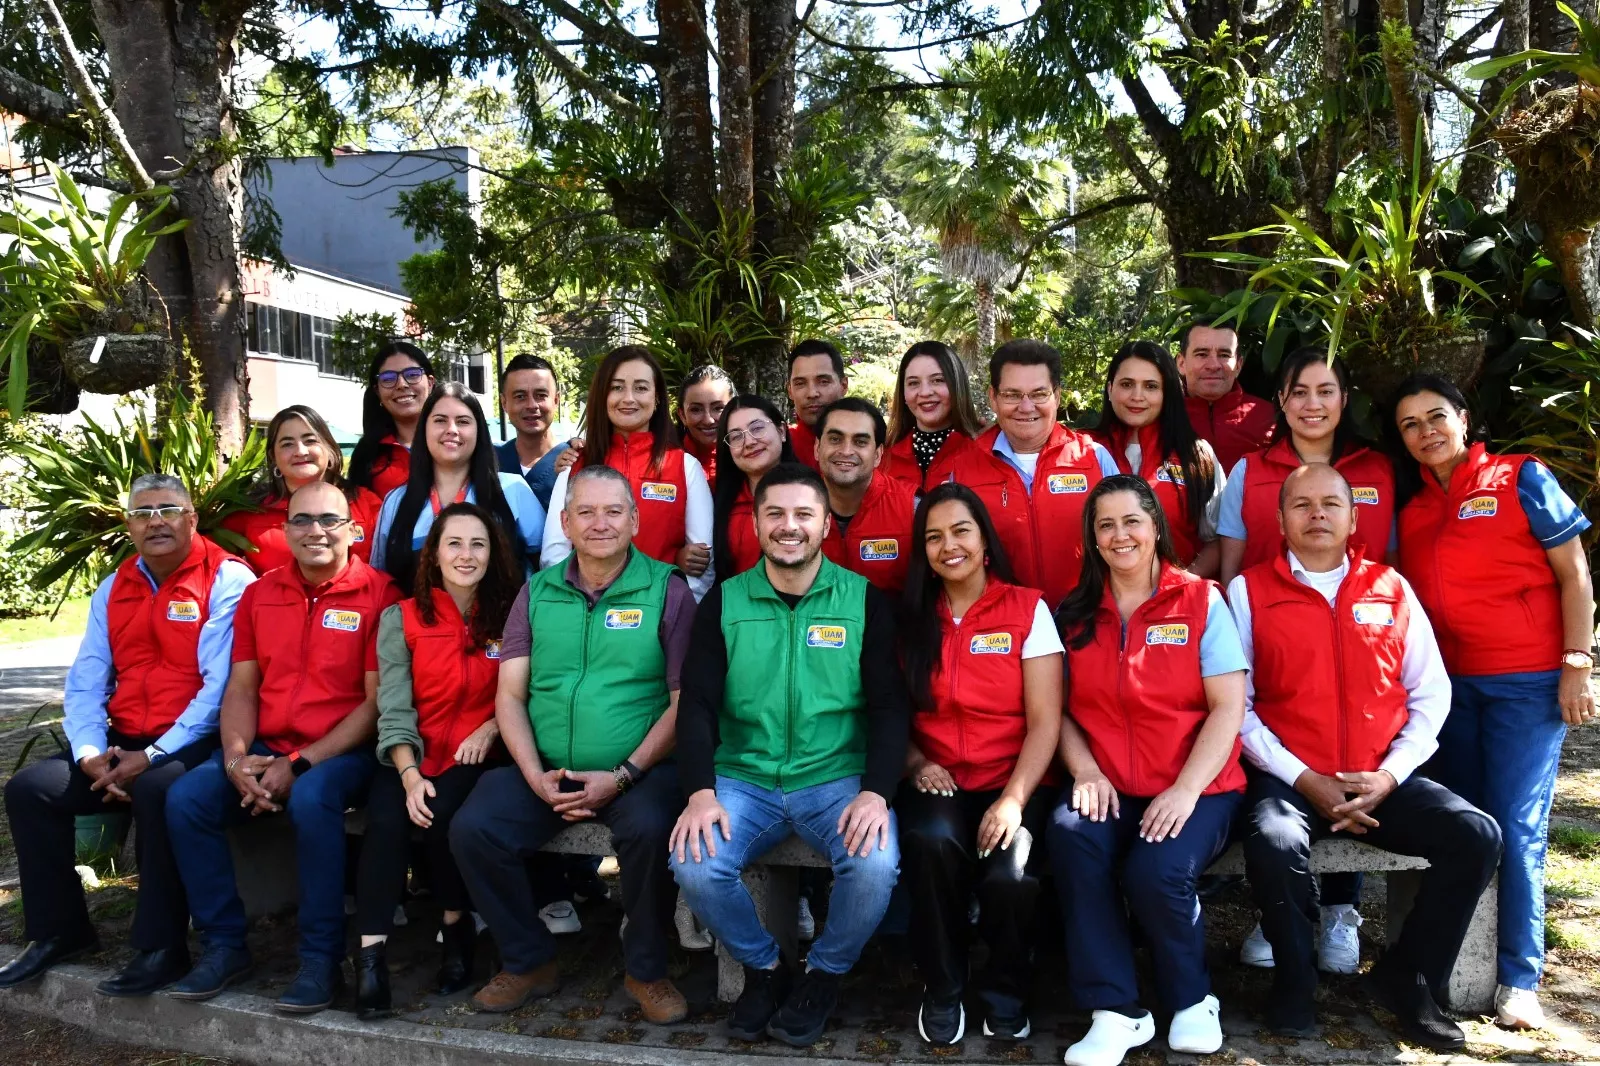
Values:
[(305, 652), (583, 671), (955, 680), (1122, 670), (788, 709), (1342, 741)]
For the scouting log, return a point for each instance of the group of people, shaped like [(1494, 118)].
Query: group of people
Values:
[(975, 660)]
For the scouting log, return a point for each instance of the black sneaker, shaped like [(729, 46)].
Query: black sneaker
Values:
[(999, 1028), (804, 1015), (941, 1024), (1417, 1014), (764, 992)]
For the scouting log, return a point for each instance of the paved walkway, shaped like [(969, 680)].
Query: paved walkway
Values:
[(33, 673)]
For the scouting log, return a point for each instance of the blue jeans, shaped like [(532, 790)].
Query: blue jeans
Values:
[(203, 805), (1499, 750), (761, 820)]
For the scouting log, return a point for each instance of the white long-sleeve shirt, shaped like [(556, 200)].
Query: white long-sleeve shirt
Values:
[(697, 521), (1421, 672)]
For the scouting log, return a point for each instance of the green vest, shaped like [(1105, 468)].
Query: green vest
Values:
[(597, 677), (792, 713)]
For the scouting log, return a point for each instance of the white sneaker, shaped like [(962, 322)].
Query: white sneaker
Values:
[(1517, 1008), (807, 926), (1111, 1036), (560, 918), (1255, 951), (1197, 1030), (400, 915), (691, 934), (1339, 946)]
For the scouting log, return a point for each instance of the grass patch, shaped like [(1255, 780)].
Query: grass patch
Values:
[(1571, 935), (70, 621), (1575, 840)]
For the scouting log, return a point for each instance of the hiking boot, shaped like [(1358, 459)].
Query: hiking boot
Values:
[(507, 991), (764, 992), (804, 1015), (660, 1002)]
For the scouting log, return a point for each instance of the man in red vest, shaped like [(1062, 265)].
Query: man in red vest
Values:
[(140, 707), (298, 724), (871, 528), (816, 379), (1230, 419), (1344, 700)]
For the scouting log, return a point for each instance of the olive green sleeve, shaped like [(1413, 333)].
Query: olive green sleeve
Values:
[(397, 714)]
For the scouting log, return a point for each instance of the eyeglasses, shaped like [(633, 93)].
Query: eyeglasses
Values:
[(304, 522), (170, 513), (756, 428), (1039, 397), (410, 375)]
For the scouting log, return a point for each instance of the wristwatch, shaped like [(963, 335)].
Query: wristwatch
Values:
[(1578, 660), (622, 777), (298, 763), (152, 753)]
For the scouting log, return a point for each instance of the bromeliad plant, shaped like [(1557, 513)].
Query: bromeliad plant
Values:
[(1558, 415)]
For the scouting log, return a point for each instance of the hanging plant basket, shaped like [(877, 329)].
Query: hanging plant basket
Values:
[(1554, 143), (1457, 358), (51, 391), (125, 347)]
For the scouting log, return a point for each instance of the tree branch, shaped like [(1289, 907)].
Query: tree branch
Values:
[(610, 34), (1155, 122), (1119, 144), (94, 103), (1460, 50), (576, 75), (1116, 203), (39, 105), (919, 46), (1453, 89), (1275, 23), (788, 47)]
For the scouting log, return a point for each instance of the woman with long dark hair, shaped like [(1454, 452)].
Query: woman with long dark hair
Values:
[(1156, 687), (702, 395), (1145, 427), (751, 440), (1490, 544), (399, 381), (628, 428), (438, 666), (457, 464), (983, 662), (931, 416), (300, 450)]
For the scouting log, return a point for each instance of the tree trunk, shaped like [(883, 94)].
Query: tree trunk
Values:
[(986, 318), (772, 49), (1400, 47), (1481, 167), (690, 163), (735, 116), (1574, 253), (1324, 169)]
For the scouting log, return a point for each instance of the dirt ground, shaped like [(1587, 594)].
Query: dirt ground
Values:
[(28, 1040)]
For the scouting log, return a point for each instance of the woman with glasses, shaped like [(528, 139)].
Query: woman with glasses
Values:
[(753, 441), (438, 664), (701, 399), (931, 417), (627, 427), (398, 384), (300, 450), (456, 465)]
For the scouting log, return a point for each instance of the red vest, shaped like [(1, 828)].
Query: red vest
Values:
[(900, 463), (804, 442), (1140, 700), (1235, 426), (1328, 680), (878, 543), (391, 468), (1164, 474), (314, 647), (1484, 580), (1042, 533), (452, 680), (264, 530), (155, 640), (662, 494), (742, 542), (707, 457), (979, 719), (1371, 479)]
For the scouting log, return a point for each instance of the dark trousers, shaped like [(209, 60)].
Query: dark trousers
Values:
[(386, 847), (1158, 882), (503, 824), (41, 802), (939, 860), (1422, 818)]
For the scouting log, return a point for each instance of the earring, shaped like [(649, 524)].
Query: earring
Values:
[(276, 472)]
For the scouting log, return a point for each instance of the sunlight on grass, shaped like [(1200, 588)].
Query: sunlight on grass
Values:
[(69, 622)]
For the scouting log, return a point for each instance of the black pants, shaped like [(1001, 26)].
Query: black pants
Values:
[(503, 824), (41, 802), (386, 848), (1421, 818), (939, 859)]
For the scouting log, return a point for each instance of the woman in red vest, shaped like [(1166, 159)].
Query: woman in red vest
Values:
[(1313, 396), (627, 427), (1490, 545), (438, 662), (1156, 685), (1153, 438), (931, 417), (702, 396), (300, 450), (983, 662), (398, 383), (752, 440)]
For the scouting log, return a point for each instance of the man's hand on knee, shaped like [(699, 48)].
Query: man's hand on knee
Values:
[(122, 767), (865, 819), (699, 821), (1326, 795)]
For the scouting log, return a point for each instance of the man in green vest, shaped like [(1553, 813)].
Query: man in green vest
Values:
[(793, 722), (587, 703)]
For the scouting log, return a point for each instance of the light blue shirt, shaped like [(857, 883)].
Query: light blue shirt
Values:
[(525, 509), (1003, 448), (92, 678), (1230, 520)]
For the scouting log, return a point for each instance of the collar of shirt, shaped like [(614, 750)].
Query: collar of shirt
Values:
[(1325, 582), (1003, 448)]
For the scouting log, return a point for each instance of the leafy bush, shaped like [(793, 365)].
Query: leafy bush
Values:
[(1557, 415)]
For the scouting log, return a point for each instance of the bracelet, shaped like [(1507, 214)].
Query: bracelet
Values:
[(633, 771), (413, 766), (237, 759)]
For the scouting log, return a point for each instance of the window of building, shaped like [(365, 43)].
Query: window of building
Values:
[(292, 335)]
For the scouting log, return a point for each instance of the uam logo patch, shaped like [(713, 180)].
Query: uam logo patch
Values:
[(1374, 614), (879, 551), (825, 637), (1170, 633), (991, 644), (1479, 507), (624, 619), (660, 491), (358, 535), (1060, 483), (1367, 494), (183, 611), (1172, 473), (343, 621), (491, 650)]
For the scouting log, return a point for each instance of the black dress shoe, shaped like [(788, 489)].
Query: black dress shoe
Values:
[(148, 973), (460, 952), (372, 983), (1417, 1013), (40, 955)]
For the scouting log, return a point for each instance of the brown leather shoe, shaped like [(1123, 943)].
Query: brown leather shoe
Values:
[(659, 1001), (507, 991)]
